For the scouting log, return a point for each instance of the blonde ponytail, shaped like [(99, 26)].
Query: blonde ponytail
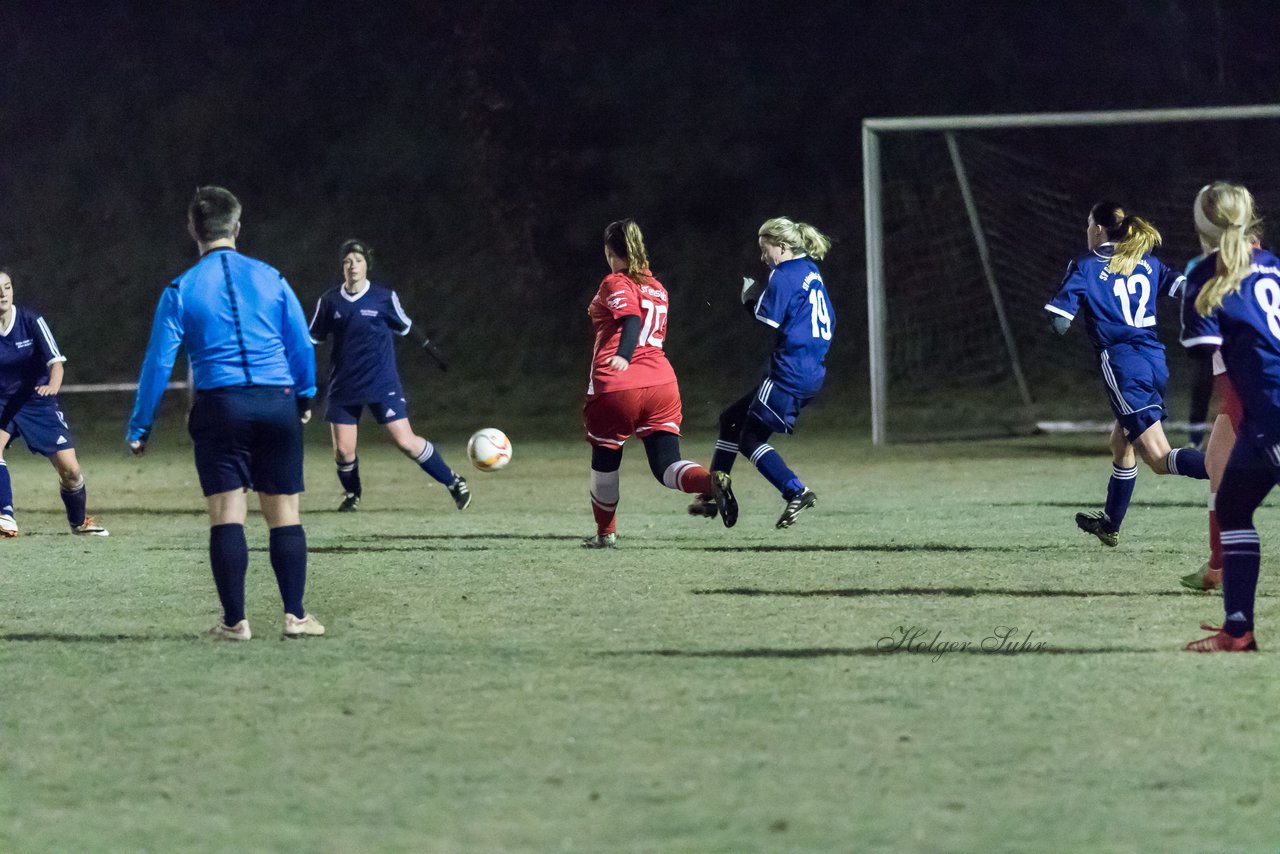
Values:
[(799, 237), (1224, 217), (1134, 237)]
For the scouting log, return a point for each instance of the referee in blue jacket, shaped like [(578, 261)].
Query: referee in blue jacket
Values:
[(255, 376)]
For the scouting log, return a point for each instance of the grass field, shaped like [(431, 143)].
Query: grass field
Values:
[(487, 685)]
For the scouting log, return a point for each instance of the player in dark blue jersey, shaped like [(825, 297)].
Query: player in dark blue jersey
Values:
[(255, 377), (1115, 288), (363, 317), (1236, 291), (794, 303), (30, 376)]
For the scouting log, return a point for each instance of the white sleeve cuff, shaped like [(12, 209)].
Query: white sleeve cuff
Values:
[(1215, 340), (1058, 311)]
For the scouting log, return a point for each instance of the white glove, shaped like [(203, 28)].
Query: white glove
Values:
[(751, 290)]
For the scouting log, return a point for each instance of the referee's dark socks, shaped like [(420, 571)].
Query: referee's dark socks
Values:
[(349, 477), (288, 549), (6, 490), (74, 501), (1119, 491), (431, 462), (1240, 560), (229, 557), (1187, 462)]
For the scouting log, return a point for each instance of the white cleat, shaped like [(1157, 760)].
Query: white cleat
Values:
[(238, 632), (90, 528), (297, 628), (8, 528)]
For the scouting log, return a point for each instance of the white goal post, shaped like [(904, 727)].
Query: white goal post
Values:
[(874, 128)]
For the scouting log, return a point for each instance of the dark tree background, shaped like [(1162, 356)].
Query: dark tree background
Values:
[(481, 148)]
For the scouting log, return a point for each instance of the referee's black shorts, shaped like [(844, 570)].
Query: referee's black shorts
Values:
[(247, 437)]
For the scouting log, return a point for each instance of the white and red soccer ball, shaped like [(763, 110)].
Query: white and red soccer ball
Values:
[(489, 449)]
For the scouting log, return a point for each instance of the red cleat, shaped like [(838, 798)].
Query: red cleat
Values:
[(1220, 641)]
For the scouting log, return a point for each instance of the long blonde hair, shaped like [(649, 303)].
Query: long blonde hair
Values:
[(796, 236), (625, 240), (1132, 236), (1224, 218)]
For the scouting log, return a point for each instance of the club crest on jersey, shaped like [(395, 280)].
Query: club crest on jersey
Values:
[(22, 344)]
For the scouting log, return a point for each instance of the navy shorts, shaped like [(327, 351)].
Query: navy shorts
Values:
[(1135, 378), (39, 421), (775, 408), (247, 438), (392, 407)]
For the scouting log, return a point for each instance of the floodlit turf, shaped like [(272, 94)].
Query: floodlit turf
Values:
[(487, 685)]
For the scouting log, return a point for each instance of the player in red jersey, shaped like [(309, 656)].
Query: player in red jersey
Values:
[(633, 389)]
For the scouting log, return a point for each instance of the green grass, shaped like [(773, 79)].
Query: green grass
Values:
[(486, 685)]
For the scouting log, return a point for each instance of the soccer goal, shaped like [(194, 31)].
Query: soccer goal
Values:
[(970, 222)]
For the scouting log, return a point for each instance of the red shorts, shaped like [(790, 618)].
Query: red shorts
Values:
[(612, 417), (1228, 401)]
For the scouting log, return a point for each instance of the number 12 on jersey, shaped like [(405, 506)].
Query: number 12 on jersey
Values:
[(1123, 289)]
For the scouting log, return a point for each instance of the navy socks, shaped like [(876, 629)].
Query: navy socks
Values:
[(229, 558), (74, 502), (431, 462), (6, 491), (1119, 492), (1241, 556), (349, 476), (1187, 462), (289, 560)]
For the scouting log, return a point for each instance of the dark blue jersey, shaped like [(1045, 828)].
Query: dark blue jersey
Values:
[(1249, 328), (1197, 330), (27, 349), (362, 366), (1117, 309), (795, 304)]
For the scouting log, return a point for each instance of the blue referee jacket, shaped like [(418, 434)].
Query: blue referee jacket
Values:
[(242, 326)]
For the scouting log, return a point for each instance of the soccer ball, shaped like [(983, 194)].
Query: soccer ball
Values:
[(489, 449)]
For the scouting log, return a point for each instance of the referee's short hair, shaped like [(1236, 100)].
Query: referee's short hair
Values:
[(214, 213)]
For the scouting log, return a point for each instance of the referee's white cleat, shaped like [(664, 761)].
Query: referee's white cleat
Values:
[(8, 527), (298, 628), (238, 632), (90, 528)]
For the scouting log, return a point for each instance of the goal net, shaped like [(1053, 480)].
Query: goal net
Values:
[(970, 224)]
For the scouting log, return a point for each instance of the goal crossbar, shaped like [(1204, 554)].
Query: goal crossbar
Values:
[(873, 211)]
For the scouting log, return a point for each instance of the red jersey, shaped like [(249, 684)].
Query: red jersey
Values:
[(619, 296)]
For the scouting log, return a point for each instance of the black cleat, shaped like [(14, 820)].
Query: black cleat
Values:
[(350, 503), (795, 506), (461, 494), (722, 492), (1098, 524)]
